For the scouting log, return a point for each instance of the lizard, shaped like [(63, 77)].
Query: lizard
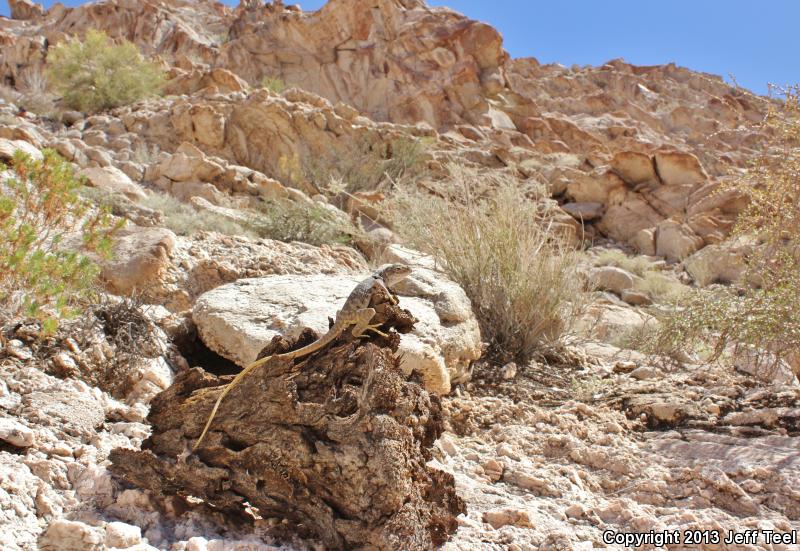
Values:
[(355, 312)]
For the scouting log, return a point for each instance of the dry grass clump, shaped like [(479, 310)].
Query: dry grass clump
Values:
[(634, 264), (500, 246)]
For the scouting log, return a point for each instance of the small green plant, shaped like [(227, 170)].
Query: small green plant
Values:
[(94, 74), (309, 223), (502, 248), (273, 84), (40, 275)]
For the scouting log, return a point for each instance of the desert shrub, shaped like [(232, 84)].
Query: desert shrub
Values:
[(364, 165), (184, 219), (40, 276), (295, 221), (501, 247), (762, 318), (273, 84), (94, 74)]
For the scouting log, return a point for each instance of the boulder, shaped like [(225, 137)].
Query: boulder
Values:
[(634, 167), (113, 180), (676, 168), (716, 264), (584, 211), (9, 147), (612, 278), (141, 256), (676, 241), (238, 319)]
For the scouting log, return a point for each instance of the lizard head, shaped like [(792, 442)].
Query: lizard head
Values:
[(393, 273)]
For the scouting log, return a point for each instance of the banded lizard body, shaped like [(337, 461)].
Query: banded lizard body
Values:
[(355, 312)]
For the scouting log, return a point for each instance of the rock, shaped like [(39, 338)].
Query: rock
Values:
[(509, 371), (16, 434), (611, 278), (716, 264), (9, 147), (25, 9), (121, 535), (68, 535), (635, 298), (593, 188), (644, 241), (644, 373), (576, 510), (676, 241), (141, 256), (676, 168), (634, 167), (113, 180), (238, 319), (505, 517), (584, 211)]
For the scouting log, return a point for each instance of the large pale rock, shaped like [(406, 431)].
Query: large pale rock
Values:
[(141, 256), (593, 188), (677, 168), (676, 241), (623, 221), (113, 180), (236, 320), (68, 535), (612, 278), (634, 167), (9, 147), (716, 264)]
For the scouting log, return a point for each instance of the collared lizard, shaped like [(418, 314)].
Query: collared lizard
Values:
[(355, 312)]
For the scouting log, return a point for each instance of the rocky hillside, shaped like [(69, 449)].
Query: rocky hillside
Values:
[(261, 103)]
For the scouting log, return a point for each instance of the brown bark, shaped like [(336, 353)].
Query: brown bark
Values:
[(336, 444)]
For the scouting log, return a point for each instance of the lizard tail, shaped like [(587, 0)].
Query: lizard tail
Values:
[(236, 380)]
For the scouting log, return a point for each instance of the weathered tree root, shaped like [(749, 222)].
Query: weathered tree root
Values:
[(336, 445)]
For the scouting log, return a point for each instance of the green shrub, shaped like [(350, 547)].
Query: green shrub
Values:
[(273, 84), (94, 74), (40, 276), (501, 247)]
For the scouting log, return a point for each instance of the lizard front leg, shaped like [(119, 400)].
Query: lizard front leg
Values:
[(361, 323)]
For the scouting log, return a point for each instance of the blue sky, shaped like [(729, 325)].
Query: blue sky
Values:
[(749, 39)]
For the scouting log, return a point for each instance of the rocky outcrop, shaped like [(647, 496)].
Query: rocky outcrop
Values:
[(237, 319), (337, 446)]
